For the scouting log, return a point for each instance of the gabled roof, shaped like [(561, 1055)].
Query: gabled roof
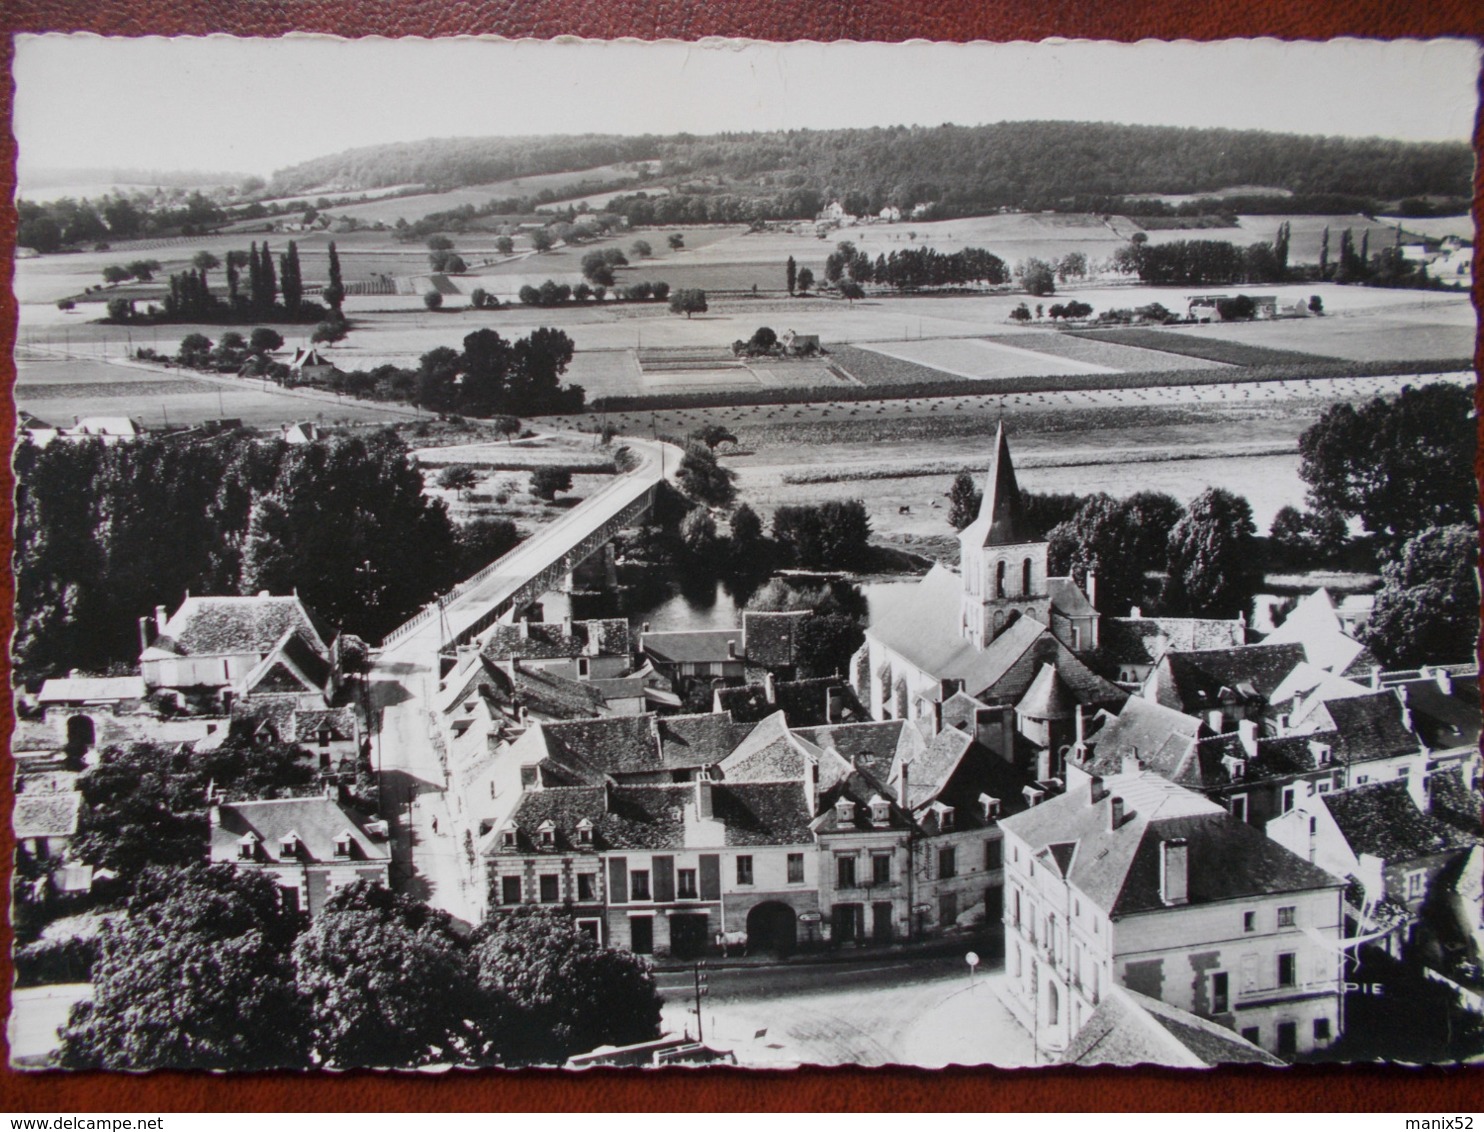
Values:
[(1129, 1028), (293, 664), (693, 646), (1444, 719), (1118, 869), (1001, 520), (91, 689), (872, 745), (806, 703), (1371, 727), (1201, 680), (699, 740), (930, 770), (762, 813), (1048, 697), (547, 695), (317, 822), (46, 815), (554, 640), (1382, 819), (1281, 756), (771, 753), (771, 639), (1143, 640), (837, 780), (625, 817), (219, 626), (616, 745), (1068, 599), (1459, 803), (1159, 737), (1314, 624)]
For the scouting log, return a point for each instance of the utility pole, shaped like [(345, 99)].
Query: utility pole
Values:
[(702, 990)]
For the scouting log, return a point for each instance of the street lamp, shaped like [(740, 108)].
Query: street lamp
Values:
[(972, 959)]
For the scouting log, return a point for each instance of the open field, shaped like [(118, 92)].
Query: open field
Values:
[(1354, 338), (414, 208), (1204, 349), (1435, 227)]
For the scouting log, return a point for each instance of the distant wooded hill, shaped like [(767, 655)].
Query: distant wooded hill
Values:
[(963, 168)]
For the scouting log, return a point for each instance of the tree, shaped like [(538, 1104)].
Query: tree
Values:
[(459, 478), (1401, 466), (1021, 313), (642, 249), (433, 300), (1212, 559), (1427, 611), (290, 281), (1078, 309), (331, 332), (1302, 538), (481, 541), (1101, 539), (597, 269), (698, 535), (830, 535), (826, 642), (554, 991), (439, 244), (138, 811), (851, 290), (705, 480), (195, 350), (231, 349), (203, 262), (479, 298), (113, 274), (1036, 276), (143, 269), (547, 481), (1073, 265), (264, 340), (120, 310), (791, 274), (746, 533), (1316, 304), (507, 425), (334, 292), (713, 434), (386, 983), (505, 245), (1153, 515), (806, 280), (541, 240), (963, 501), (688, 301), (194, 975)]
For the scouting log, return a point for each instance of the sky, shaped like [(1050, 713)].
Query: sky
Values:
[(256, 105)]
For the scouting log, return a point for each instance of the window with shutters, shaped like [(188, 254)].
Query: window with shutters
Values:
[(685, 884), (880, 868), (1286, 916), (639, 884), (744, 870), (796, 868), (845, 872), (1220, 993), (587, 887), (551, 888), (947, 862)]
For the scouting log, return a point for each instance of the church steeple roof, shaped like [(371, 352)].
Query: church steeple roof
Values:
[(1001, 520)]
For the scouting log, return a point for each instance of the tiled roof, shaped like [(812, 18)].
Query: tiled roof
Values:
[(1381, 819), (694, 646), (1199, 681), (210, 626), (699, 740), (1143, 640), (1119, 869), (1158, 736), (1444, 719), (317, 821), (617, 745), (870, 745), (982, 772), (762, 813), (548, 695), (552, 640), (1129, 1028), (1048, 697), (627, 817), (837, 780), (804, 702), (772, 638), (1275, 757), (1371, 727), (770, 753), (85, 689), (46, 815), (340, 722), (929, 771), (1456, 802), (1067, 598)]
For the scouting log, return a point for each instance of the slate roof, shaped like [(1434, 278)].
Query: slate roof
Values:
[(982, 772), (1119, 869), (770, 753), (616, 745), (1381, 819), (838, 779), (548, 695), (317, 821), (553, 640), (699, 740), (1160, 737), (1067, 598), (626, 817), (1371, 727), (46, 815), (1129, 1028), (929, 771), (693, 646), (1048, 697), (219, 626), (1276, 757), (301, 653), (762, 813), (872, 745), (1456, 802), (1201, 680), (772, 638), (91, 689), (1143, 640), (1001, 520), (1444, 719), (804, 702)]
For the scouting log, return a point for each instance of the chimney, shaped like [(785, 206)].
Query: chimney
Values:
[(644, 628), (770, 688), (1131, 763), (1095, 788), (146, 633), (1007, 733), (1375, 678), (1092, 589), (902, 791), (1215, 720), (1115, 813), (525, 629), (731, 648), (1135, 613), (1174, 871), (160, 618), (703, 799), (1418, 785), (567, 625), (1247, 732), (1445, 682)]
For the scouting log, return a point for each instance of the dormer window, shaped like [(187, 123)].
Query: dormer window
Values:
[(945, 816), (991, 806), (880, 810), (247, 848), (1320, 751), (546, 834), (585, 832), (288, 845), (845, 810), (507, 838), (1236, 769), (342, 845)]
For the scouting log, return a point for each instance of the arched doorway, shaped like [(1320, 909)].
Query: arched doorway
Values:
[(772, 927), (81, 734)]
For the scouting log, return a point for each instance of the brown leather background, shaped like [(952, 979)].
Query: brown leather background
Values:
[(1380, 1088)]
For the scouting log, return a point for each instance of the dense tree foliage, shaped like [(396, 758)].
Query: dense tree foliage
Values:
[(1401, 465), (1212, 557), (106, 533), (703, 478), (555, 991), (1427, 611), (1103, 538), (833, 535), (195, 975)]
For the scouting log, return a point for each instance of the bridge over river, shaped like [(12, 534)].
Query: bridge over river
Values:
[(404, 671)]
